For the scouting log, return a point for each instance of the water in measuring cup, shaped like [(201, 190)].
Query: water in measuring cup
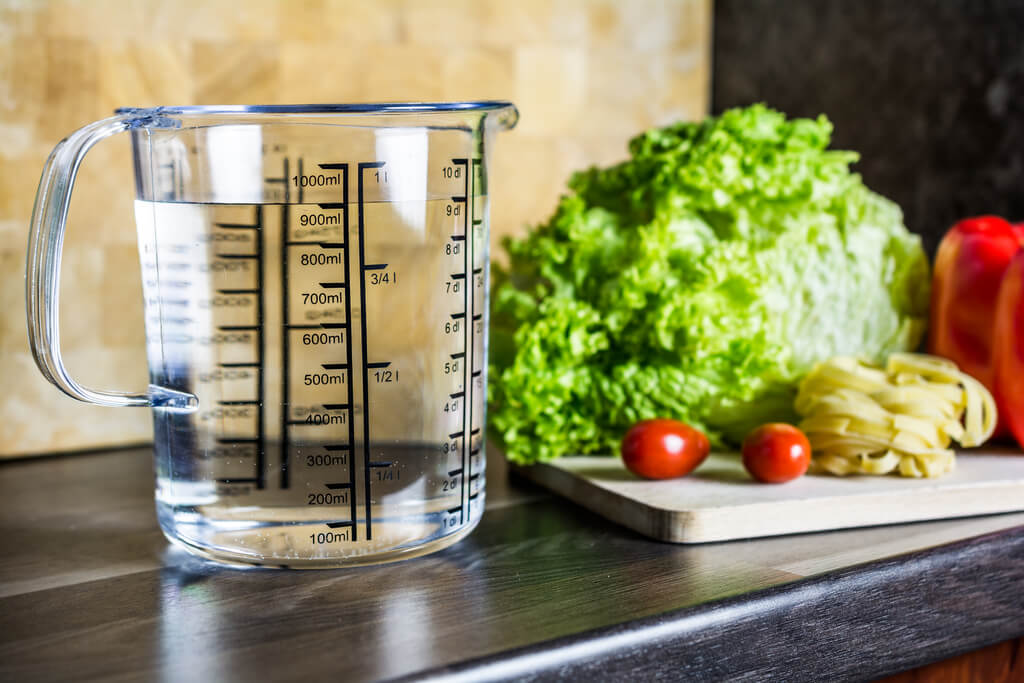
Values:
[(338, 352)]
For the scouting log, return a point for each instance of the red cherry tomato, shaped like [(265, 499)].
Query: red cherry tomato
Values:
[(663, 449), (775, 453)]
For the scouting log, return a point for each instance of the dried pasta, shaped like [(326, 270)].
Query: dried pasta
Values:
[(864, 419)]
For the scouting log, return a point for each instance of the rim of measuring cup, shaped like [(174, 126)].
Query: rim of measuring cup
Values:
[(351, 108)]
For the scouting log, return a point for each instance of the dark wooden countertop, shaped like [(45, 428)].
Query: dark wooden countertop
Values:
[(89, 589)]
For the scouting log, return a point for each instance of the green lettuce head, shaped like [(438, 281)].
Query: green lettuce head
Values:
[(698, 280)]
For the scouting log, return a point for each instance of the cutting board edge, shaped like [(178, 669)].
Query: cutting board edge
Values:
[(721, 524), (729, 523), (564, 482)]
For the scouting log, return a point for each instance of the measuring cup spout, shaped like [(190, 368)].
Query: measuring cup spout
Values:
[(505, 118)]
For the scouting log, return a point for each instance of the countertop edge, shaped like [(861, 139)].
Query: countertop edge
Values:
[(910, 609)]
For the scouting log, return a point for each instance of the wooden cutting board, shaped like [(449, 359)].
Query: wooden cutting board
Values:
[(719, 501)]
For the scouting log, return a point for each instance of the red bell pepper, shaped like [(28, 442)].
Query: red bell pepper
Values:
[(1009, 348), (977, 311)]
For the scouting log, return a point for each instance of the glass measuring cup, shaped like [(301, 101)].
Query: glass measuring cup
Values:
[(315, 283)]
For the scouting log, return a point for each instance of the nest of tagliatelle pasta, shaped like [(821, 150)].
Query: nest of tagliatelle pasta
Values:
[(864, 419)]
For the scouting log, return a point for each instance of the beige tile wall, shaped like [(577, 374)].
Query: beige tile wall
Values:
[(586, 75)]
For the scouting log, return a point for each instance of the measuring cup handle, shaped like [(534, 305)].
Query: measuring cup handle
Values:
[(45, 243)]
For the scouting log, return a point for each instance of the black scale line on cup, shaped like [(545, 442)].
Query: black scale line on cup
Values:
[(471, 224), (261, 372), (351, 483), (363, 268), (259, 441), (349, 404), (466, 395), (286, 336)]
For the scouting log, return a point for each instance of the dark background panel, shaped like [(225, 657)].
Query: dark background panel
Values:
[(930, 92)]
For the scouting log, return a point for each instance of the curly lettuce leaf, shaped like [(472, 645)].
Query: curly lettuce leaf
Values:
[(699, 280)]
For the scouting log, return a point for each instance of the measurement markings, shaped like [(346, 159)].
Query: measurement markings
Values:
[(324, 420), (285, 338), (283, 180), (261, 426), (318, 260), (363, 267), (341, 525), (319, 326), (466, 338), (470, 340), (237, 226), (343, 167)]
